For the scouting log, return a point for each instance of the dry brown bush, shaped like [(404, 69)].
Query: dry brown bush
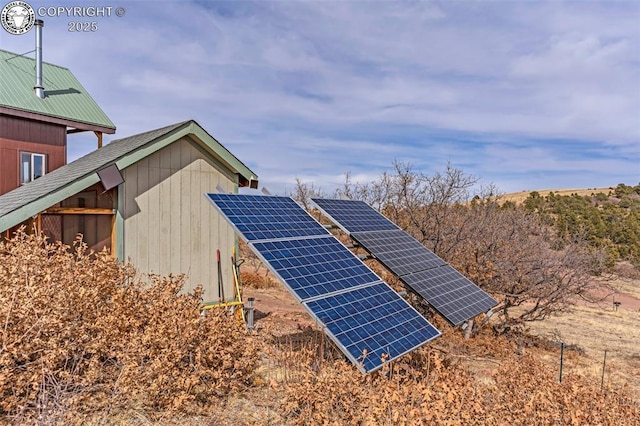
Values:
[(255, 280), (431, 387), (81, 334)]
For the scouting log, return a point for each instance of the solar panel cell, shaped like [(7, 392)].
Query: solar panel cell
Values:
[(315, 266)]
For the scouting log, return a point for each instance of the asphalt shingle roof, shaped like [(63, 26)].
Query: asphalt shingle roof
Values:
[(79, 168), (65, 98)]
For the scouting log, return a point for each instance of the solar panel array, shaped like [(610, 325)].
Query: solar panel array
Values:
[(357, 310), (449, 292)]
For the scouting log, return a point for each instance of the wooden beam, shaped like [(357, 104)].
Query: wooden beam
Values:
[(78, 210)]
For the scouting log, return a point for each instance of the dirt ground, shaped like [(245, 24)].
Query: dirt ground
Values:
[(278, 307)]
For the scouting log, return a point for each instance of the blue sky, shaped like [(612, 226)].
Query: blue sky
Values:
[(526, 95)]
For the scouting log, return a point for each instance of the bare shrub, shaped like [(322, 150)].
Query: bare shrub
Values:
[(514, 255), (255, 280), (80, 333), (304, 192)]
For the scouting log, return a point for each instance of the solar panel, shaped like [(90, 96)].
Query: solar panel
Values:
[(398, 251), (371, 321), (359, 312), (313, 267), (354, 216), (266, 218), (450, 293)]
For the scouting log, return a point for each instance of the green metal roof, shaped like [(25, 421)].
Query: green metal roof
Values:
[(65, 98), (27, 200)]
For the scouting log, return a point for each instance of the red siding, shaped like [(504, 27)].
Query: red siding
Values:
[(20, 135), (20, 129)]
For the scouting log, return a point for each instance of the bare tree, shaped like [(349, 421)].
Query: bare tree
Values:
[(515, 255), (304, 192)]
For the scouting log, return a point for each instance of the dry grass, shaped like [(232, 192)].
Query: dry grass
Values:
[(629, 287), (596, 329), (519, 197)]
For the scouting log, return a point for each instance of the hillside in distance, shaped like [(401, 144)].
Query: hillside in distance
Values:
[(519, 197), (608, 218)]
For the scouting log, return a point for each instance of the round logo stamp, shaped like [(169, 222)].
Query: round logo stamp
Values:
[(17, 17)]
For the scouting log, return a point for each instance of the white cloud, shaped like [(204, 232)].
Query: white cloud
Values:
[(315, 89)]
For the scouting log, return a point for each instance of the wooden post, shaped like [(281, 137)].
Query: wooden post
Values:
[(99, 136)]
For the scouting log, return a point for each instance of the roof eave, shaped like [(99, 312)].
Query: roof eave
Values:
[(247, 177), (57, 120), (190, 128)]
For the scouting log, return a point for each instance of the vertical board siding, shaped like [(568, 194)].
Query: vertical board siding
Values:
[(175, 230), (186, 232), (22, 135), (142, 236), (164, 189), (154, 205), (169, 226), (25, 130)]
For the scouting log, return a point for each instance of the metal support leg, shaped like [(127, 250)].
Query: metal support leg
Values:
[(250, 313)]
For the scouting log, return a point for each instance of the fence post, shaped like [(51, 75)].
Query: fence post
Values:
[(604, 363), (561, 359)]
